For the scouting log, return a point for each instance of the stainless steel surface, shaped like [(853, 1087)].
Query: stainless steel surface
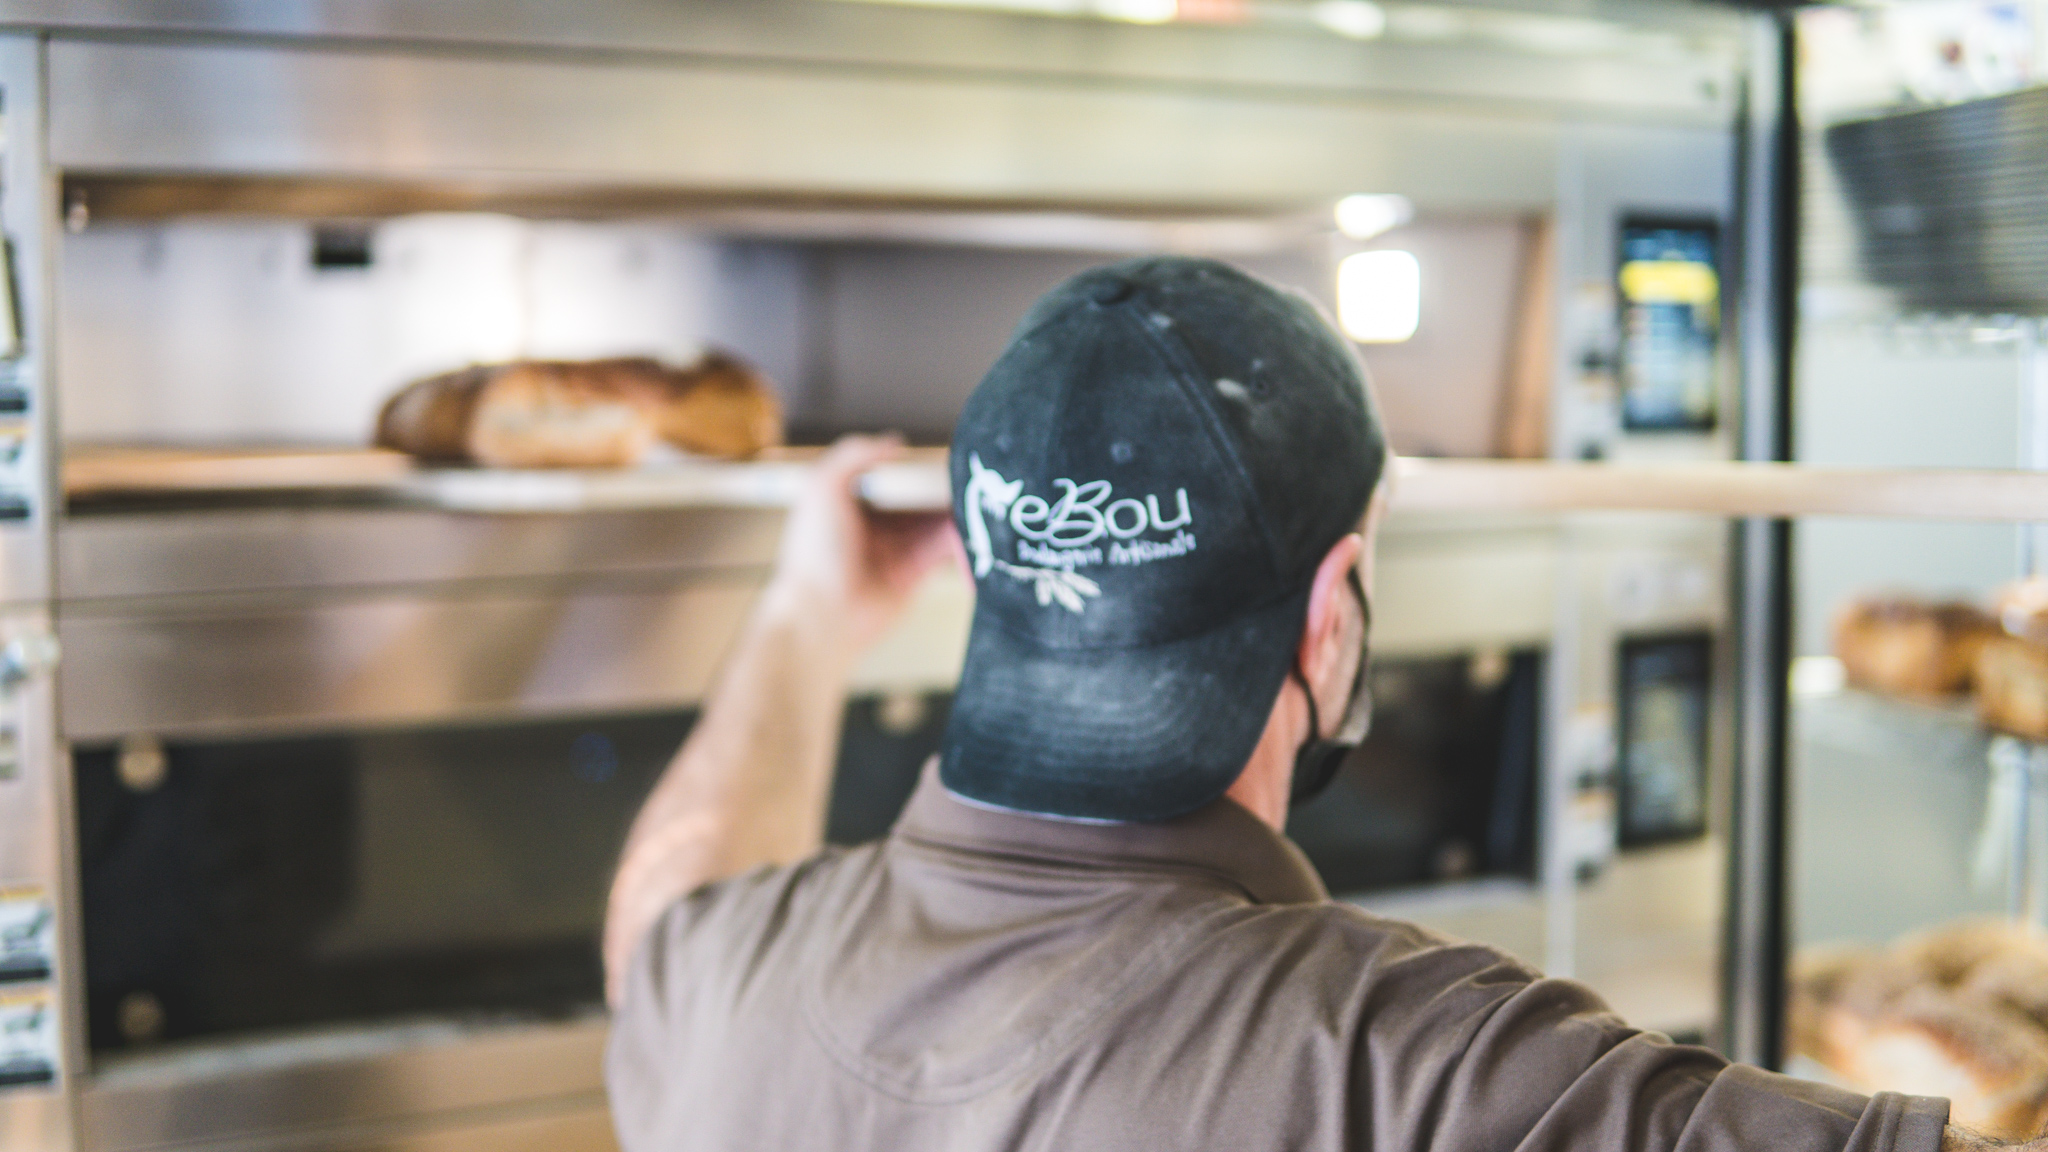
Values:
[(295, 618), (195, 554), (121, 107), (33, 837), (33, 794), (831, 32), (396, 659), (27, 206), (1753, 996), (1634, 60), (368, 1088)]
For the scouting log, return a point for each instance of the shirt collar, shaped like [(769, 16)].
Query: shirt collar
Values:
[(1220, 838)]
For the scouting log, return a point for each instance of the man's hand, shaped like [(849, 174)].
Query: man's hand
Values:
[(847, 566), (750, 784)]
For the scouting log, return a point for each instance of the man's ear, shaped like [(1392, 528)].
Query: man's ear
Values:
[(1375, 518), (1322, 634)]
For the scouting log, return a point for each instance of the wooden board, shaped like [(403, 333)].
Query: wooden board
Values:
[(920, 482), (90, 471)]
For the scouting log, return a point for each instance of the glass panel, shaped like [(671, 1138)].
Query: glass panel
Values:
[(243, 886), (1444, 787), (1550, 748), (1916, 828)]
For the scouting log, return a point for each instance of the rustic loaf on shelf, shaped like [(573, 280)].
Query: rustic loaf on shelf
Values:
[(1907, 648), (582, 414), (2012, 687), (1960, 1011), (2012, 670)]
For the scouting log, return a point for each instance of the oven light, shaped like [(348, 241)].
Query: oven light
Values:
[(1363, 217), (1379, 296), (1138, 11), (1358, 19)]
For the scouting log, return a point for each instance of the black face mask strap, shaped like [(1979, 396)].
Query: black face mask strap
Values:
[(1317, 760)]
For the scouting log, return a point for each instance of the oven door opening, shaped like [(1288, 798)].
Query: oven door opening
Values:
[(234, 887), (1444, 787)]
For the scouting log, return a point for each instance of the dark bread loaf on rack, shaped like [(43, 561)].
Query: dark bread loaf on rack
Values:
[(1906, 648), (582, 414)]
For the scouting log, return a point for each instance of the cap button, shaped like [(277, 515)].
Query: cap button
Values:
[(1110, 290)]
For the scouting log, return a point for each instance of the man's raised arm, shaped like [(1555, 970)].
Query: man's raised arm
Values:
[(1956, 1139), (749, 786)]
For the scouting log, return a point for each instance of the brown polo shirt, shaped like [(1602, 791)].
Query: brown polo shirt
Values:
[(987, 980)]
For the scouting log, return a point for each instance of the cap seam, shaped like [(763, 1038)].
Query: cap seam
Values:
[(1188, 379)]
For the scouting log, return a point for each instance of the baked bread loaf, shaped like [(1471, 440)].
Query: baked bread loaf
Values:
[(1990, 1062), (2012, 670), (2022, 609), (1955, 1012), (2012, 687), (582, 414), (1905, 648)]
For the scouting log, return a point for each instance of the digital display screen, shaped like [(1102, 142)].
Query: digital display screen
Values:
[(1664, 691), (1669, 289)]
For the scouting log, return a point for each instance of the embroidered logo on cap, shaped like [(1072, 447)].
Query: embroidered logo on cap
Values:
[(1056, 537)]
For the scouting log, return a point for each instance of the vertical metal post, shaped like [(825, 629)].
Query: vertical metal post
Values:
[(1559, 871), (2019, 818), (35, 837), (2033, 433), (2027, 893), (2021, 782), (1753, 986)]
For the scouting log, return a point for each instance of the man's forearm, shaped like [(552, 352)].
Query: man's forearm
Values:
[(1956, 1139), (750, 785)]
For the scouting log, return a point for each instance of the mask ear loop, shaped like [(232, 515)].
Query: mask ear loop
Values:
[(1317, 760)]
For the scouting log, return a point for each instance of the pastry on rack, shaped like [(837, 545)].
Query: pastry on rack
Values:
[(582, 414), (1990, 1062), (2012, 670), (1955, 1012), (1906, 648)]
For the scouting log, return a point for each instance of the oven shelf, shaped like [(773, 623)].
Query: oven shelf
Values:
[(144, 479), (101, 479)]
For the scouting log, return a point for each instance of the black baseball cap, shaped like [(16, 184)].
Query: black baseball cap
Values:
[(1146, 482)]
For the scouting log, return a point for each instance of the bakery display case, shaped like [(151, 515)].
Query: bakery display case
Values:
[(1911, 803)]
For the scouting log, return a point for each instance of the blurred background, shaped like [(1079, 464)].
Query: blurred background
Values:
[(397, 402)]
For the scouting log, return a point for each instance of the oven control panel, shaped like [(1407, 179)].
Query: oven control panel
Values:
[(28, 1020)]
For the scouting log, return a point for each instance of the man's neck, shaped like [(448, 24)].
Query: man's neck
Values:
[(1268, 777)]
